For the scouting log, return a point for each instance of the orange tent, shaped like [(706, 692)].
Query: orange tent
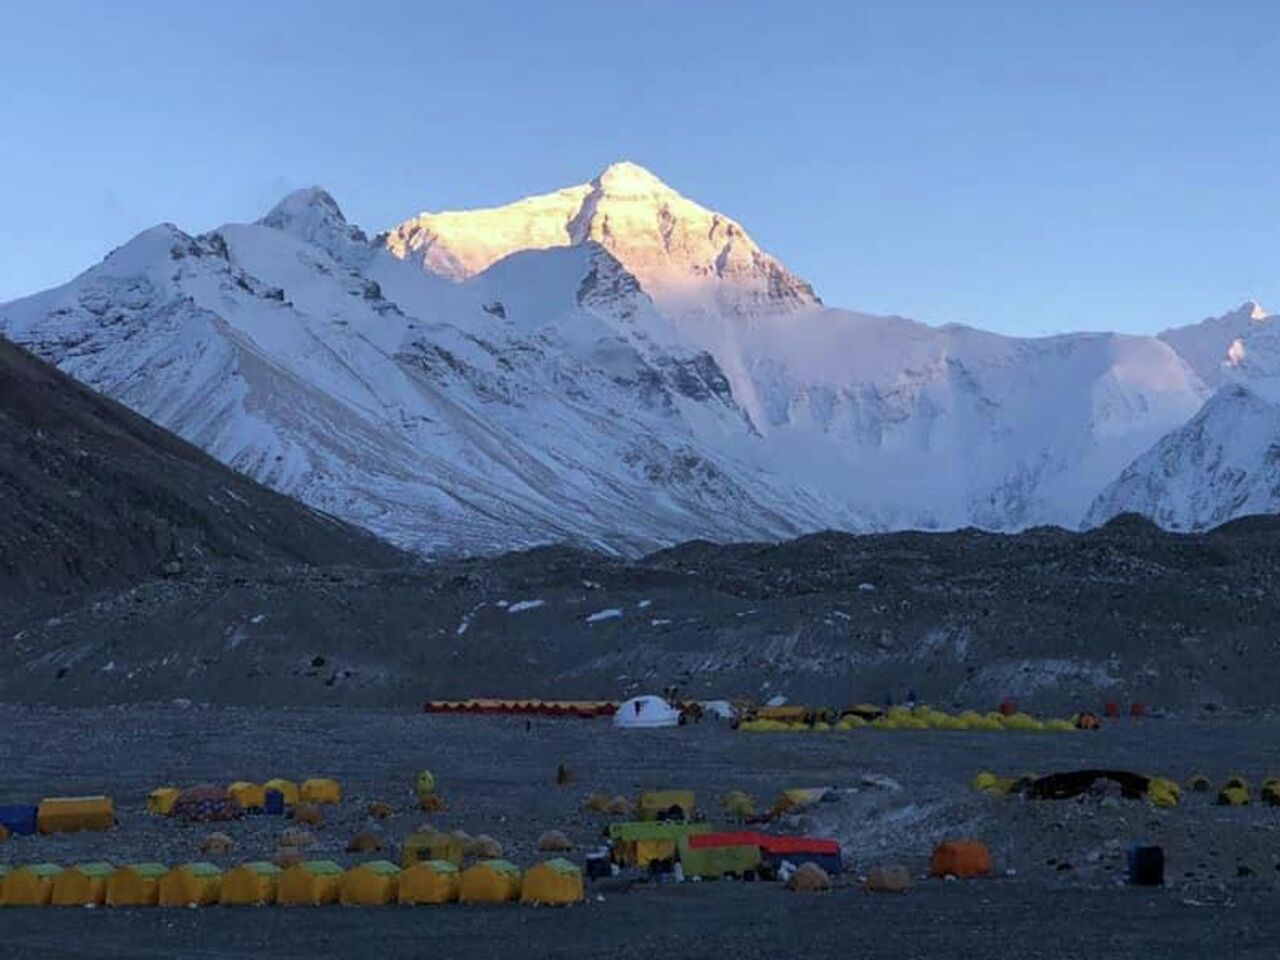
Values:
[(961, 858)]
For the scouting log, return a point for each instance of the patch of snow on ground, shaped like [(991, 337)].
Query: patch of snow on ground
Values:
[(258, 618), (521, 605), (612, 613), (644, 604)]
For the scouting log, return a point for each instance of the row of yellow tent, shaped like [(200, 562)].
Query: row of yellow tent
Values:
[(916, 718), (1159, 791), (1235, 791), (251, 796), (554, 882)]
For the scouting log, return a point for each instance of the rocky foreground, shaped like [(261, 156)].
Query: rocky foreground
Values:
[(1058, 892)]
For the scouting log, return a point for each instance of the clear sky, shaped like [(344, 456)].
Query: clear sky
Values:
[(1024, 166)]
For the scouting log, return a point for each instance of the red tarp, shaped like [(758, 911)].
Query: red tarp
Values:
[(536, 707), (772, 845)]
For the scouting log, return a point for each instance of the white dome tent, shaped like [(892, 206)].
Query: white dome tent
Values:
[(646, 713), (719, 709)]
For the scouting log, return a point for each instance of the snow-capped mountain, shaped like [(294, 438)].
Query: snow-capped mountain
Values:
[(1224, 463), (1242, 346), (686, 258), (611, 364)]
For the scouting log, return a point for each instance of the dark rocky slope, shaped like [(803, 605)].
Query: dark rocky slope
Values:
[(1057, 619), (93, 496)]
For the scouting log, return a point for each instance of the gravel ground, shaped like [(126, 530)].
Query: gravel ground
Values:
[(1059, 892)]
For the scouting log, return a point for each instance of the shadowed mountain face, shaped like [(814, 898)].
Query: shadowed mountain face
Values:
[(93, 496)]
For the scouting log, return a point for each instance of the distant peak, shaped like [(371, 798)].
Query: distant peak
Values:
[(625, 177), (307, 203), (1253, 310), (311, 214)]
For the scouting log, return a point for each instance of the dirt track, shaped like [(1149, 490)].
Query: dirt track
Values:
[(900, 791)]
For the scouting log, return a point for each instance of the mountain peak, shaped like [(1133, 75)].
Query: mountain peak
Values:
[(311, 214), (688, 259), (627, 178), (306, 203), (1253, 310)]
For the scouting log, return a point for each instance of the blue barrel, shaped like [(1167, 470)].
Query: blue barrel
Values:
[(1146, 866), (273, 805), (19, 819)]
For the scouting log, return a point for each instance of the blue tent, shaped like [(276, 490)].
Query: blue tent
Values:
[(19, 818)]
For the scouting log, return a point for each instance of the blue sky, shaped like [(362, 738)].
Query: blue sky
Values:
[(1026, 167)]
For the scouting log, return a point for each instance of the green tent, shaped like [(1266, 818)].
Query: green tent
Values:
[(715, 862), (638, 830), (154, 870), (321, 868)]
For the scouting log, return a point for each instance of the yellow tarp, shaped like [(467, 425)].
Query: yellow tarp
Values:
[(250, 884), (373, 884), (192, 884), (310, 883), (321, 790), (783, 714), (644, 852), (431, 881), (554, 883), (137, 885), (69, 814), (490, 881)]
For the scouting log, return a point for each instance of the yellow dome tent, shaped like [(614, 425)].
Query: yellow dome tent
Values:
[(192, 884), (1163, 792), (430, 881), (555, 883), (1233, 795), (249, 796), (737, 803), (310, 883), (490, 881), (654, 804), (426, 783), (81, 885), (136, 885), (30, 885), (69, 814), (372, 884), (321, 790), (160, 801), (250, 884), (430, 845)]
